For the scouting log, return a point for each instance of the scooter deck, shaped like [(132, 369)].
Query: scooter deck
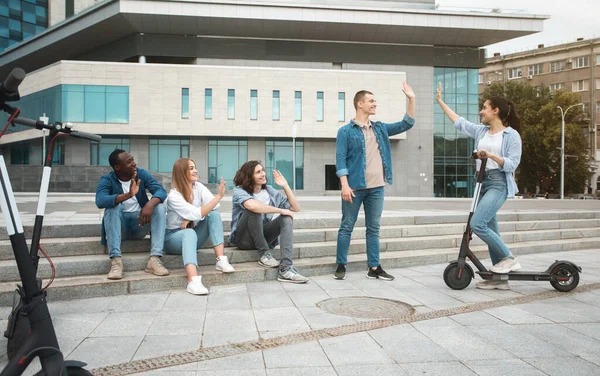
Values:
[(517, 276)]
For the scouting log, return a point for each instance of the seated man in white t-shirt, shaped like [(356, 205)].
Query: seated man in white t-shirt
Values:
[(128, 214)]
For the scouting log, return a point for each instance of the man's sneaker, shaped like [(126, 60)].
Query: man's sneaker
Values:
[(196, 287), (224, 265), (491, 285), (268, 261), (116, 268), (506, 266), (156, 267), (291, 275), (379, 273), (340, 272)]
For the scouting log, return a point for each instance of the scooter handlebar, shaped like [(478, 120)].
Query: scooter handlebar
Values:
[(89, 136)]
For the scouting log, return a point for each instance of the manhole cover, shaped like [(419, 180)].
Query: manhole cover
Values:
[(365, 307)]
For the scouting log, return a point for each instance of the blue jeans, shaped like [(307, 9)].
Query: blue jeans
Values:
[(186, 242), (494, 193), (372, 199), (120, 225)]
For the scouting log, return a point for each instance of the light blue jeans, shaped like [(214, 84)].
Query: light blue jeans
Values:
[(186, 242), (372, 200), (484, 224), (120, 225)]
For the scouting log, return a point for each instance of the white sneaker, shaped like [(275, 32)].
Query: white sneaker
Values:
[(196, 287), (224, 265), (506, 266)]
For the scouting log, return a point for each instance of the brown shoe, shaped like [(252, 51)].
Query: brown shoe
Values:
[(156, 267), (116, 268)]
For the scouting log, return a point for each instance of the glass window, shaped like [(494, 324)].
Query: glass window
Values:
[(69, 8), (4, 24), (276, 104), (253, 104), (117, 104), (320, 106), (581, 85), (185, 103), (597, 59), (73, 103), (3, 8), (29, 13), (94, 104), (28, 30), (225, 157), (19, 154), (557, 66), (480, 78), (298, 105), (341, 106), (554, 87), (535, 69), (99, 151), (14, 25), (58, 154), (581, 62), (279, 157), (597, 106), (208, 103), (165, 151), (14, 4), (231, 104), (514, 73)]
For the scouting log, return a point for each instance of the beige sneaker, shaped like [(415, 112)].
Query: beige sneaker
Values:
[(493, 285), (116, 268), (156, 267)]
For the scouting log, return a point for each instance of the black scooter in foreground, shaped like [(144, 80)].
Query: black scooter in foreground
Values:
[(30, 331), (562, 275)]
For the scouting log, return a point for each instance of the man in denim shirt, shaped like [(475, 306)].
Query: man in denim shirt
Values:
[(364, 165)]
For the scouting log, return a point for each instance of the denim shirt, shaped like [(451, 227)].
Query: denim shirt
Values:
[(351, 152), (511, 148), (277, 199)]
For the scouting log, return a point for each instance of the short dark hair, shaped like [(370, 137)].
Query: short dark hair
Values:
[(113, 158), (244, 177), (359, 97)]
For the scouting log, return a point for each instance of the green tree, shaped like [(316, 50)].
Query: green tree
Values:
[(541, 135)]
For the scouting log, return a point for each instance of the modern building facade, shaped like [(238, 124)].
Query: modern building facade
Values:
[(225, 82), (573, 67)]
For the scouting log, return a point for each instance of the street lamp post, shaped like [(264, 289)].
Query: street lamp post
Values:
[(562, 148)]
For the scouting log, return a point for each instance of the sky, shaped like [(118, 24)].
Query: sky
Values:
[(570, 19)]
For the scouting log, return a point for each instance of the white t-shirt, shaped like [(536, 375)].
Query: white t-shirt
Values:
[(131, 205), (263, 196), (179, 209), (493, 144)]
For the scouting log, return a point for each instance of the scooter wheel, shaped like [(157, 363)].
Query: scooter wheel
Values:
[(453, 281), (565, 270), (78, 371)]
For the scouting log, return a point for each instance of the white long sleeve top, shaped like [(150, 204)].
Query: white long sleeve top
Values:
[(178, 209)]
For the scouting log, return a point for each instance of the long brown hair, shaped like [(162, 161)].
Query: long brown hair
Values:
[(507, 112), (179, 179), (244, 177)]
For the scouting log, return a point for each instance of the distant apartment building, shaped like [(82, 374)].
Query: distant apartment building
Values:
[(572, 66)]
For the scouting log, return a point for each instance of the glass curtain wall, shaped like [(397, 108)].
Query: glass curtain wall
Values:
[(453, 168), (225, 157), (279, 157)]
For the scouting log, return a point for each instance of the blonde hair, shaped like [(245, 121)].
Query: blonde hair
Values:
[(179, 179)]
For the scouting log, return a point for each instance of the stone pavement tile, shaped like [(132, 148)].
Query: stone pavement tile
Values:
[(270, 299), (238, 372), (98, 352), (67, 345), (307, 298), (440, 321), (307, 354), (519, 343), (264, 286), (515, 315), (166, 372), (589, 329), (77, 325), (401, 283), (433, 299), (361, 370), (406, 344), (327, 282), (569, 303), (153, 346), (354, 349), (172, 323), (345, 293), (365, 283), (305, 371), (252, 360), (310, 286), (502, 367), (228, 327), (561, 366), (476, 319), (592, 298), (124, 324), (90, 305), (184, 301), (565, 338), (498, 294), (326, 320), (466, 295), (463, 343), (391, 293), (273, 322), (143, 302), (431, 281), (233, 297), (592, 359), (436, 369), (531, 287), (553, 312)]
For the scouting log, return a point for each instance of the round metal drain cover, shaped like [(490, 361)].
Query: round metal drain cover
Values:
[(366, 308)]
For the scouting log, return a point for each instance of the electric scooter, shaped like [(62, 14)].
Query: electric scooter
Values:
[(30, 331), (562, 275)]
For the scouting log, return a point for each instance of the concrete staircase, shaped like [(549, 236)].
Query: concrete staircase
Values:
[(414, 239)]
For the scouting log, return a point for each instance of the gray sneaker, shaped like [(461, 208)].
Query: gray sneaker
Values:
[(268, 261), (291, 275)]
